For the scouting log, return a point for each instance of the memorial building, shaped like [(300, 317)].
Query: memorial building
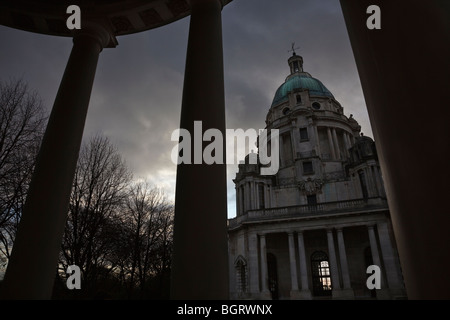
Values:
[(311, 230)]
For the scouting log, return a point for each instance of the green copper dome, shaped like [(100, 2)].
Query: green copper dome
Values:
[(301, 81)]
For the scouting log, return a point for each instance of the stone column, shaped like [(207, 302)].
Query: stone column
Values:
[(280, 139), (336, 144), (265, 293), (347, 290), (347, 144), (253, 265), (317, 140), (383, 292), (335, 281), (255, 183), (32, 266), (420, 223), (293, 266), (295, 140), (391, 263), (370, 182), (330, 141), (200, 259), (305, 292)]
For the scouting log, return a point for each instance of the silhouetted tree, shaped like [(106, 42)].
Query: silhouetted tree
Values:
[(22, 123), (99, 190), (147, 223)]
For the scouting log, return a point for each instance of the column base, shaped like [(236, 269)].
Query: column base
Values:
[(300, 295), (343, 294), (383, 294), (265, 295)]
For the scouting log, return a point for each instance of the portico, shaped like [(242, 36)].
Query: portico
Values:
[(282, 262)]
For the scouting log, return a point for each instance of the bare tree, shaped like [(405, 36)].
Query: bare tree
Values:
[(98, 191), (22, 123), (147, 223)]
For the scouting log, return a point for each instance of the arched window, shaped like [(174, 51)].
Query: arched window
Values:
[(241, 275), (286, 111), (321, 277)]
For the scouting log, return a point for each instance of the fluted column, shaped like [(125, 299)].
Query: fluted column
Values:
[(344, 265), (383, 292), (265, 293), (293, 265), (336, 144), (335, 281), (305, 292), (330, 141), (200, 256), (390, 260), (253, 264), (32, 266)]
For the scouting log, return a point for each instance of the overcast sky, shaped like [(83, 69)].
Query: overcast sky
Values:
[(136, 98)]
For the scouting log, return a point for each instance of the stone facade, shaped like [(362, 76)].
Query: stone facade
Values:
[(311, 230)]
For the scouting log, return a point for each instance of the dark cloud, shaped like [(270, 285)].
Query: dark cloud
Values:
[(136, 99)]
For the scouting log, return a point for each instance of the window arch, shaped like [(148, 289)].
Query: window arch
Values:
[(321, 276), (241, 275)]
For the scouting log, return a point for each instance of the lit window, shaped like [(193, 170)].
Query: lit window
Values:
[(321, 276)]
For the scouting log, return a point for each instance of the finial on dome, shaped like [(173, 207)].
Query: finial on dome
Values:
[(293, 49)]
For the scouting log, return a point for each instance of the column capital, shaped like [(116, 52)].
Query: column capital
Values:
[(98, 31)]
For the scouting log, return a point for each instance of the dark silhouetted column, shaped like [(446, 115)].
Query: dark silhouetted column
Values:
[(32, 268), (404, 69), (200, 260)]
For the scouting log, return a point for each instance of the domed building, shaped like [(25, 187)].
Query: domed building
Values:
[(311, 230)]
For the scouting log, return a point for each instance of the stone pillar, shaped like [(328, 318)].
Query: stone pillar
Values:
[(248, 196), (200, 259), (282, 161), (383, 292), (336, 144), (305, 293), (238, 202), (32, 266), (330, 141), (265, 293), (253, 265), (255, 183), (347, 290), (391, 263), (293, 266), (347, 144), (335, 281), (295, 140), (418, 218), (317, 140), (371, 188)]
